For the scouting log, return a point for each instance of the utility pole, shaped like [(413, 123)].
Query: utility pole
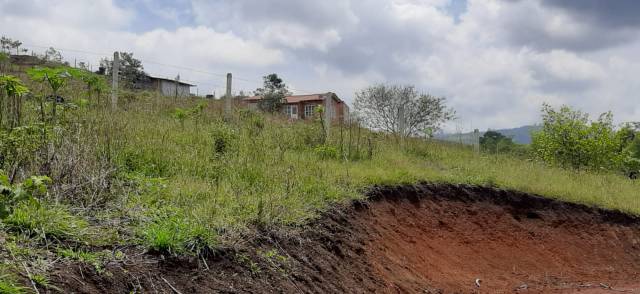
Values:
[(227, 98), (114, 86)]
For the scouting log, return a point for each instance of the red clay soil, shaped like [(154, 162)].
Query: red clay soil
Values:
[(411, 239)]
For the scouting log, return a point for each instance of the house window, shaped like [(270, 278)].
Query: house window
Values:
[(291, 111), (310, 110)]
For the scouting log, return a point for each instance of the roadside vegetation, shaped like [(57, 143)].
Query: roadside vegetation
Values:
[(176, 178)]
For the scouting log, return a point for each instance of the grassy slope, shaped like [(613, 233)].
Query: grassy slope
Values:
[(179, 185), (275, 177)]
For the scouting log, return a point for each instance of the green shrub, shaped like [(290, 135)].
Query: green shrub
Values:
[(326, 152)]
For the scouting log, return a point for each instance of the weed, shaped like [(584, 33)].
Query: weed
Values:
[(248, 262), (9, 282)]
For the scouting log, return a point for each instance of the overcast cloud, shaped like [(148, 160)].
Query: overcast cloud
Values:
[(496, 61)]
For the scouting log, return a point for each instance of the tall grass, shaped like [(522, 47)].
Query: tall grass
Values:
[(270, 173), (180, 184)]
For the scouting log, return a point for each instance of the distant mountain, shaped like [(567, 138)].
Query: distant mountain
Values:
[(521, 135)]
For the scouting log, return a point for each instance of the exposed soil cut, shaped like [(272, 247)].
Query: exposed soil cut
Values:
[(411, 239)]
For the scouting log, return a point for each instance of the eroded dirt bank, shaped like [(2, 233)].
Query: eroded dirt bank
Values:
[(411, 239)]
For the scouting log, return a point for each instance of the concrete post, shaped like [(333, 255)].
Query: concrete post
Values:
[(114, 83), (476, 140), (227, 98), (401, 121), (328, 112)]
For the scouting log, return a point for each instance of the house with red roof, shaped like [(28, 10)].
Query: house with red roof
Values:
[(304, 106)]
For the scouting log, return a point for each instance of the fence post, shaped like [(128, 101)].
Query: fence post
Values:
[(114, 83), (227, 98)]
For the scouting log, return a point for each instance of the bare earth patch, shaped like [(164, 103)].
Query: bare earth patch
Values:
[(426, 238)]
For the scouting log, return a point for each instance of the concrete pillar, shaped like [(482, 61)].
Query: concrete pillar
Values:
[(328, 112), (227, 98)]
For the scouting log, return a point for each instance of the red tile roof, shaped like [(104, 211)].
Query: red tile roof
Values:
[(296, 98)]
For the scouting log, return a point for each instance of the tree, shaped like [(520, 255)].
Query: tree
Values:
[(131, 70), (273, 93), (569, 139), (401, 110), (53, 55), (6, 44), (494, 142), (16, 45)]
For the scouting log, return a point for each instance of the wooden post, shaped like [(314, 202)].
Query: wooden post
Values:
[(227, 98), (114, 84)]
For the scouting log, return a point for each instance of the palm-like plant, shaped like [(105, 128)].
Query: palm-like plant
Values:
[(55, 78), (13, 89)]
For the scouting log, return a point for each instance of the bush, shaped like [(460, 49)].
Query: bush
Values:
[(569, 139)]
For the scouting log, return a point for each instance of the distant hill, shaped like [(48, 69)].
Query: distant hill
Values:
[(521, 135)]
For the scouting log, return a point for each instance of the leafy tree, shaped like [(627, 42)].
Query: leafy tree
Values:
[(401, 110), (273, 93), (131, 70), (569, 139), (53, 55), (494, 142)]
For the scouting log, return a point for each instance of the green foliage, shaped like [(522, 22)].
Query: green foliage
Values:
[(326, 152), (27, 191), (95, 83), (13, 89), (20, 144), (13, 85), (273, 93), (45, 221), (56, 78), (569, 139), (173, 233), (9, 282), (94, 259), (131, 71)]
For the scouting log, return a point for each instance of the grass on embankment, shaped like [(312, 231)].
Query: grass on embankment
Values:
[(185, 179), (271, 171)]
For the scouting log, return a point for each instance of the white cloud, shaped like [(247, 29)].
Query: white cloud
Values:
[(496, 63)]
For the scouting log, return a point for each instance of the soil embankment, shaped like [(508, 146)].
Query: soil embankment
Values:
[(412, 239)]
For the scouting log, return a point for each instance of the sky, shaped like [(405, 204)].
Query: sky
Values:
[(496, 61)]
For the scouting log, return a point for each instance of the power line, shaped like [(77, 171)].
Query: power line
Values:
[(107, 55)]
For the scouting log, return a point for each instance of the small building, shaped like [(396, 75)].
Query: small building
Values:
[(304, 106), (168, 87)]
